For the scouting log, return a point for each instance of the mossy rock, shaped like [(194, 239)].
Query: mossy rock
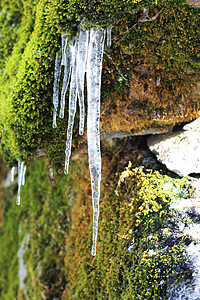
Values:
[(130, 105)]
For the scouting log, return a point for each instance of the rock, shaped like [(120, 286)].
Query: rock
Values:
[(188, 210), (122, 134), (193, 3), (179, 151)]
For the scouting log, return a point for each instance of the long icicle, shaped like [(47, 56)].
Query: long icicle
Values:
[(23, 175), (72, 107), (12, 174), (109, 29), (81, 63), (57, 73), (20, 175), (67, 62), (94, 69)]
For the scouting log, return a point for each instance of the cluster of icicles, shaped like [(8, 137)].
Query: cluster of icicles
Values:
[(80, 56), (83, 56)]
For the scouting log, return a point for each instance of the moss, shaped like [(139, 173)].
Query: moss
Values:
[(28, 66), (44, 213), (132, 259), (134, 212)]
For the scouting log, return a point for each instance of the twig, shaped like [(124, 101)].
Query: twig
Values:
[(126, 32), (145, 18), (115, 66)]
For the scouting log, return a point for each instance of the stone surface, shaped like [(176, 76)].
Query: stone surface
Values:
[(193, 3), (188, 210), (179, 151)]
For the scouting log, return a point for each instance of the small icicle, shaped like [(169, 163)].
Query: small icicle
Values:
[(20, 175), (12, 173), (23, 175), (72, 108), (57, 73), (51, 173), (109, 29), (81, 63), (94, 69), (67, 59), (63, 45)]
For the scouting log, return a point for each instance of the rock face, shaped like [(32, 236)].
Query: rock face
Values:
[(179, 151), (188, 224)]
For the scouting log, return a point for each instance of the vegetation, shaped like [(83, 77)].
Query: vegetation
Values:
[(137, 256), (167, 47), (150, 80), (44, 213), (136, 224)]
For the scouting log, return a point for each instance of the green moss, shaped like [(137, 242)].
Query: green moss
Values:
[(136, 214), (44, 213), (169, 45)]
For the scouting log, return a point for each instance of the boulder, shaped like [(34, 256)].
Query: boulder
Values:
[(179, 151)]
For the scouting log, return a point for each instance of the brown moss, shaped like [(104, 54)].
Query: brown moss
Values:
[(148, 105)]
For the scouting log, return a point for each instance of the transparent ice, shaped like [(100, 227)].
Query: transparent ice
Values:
[(57, 73), (21, 180), (109, 29), (80, 74), (23, 175), (94, 68), (67, 58), (12, 172), (51, 173), (83, 56), (72, 107)]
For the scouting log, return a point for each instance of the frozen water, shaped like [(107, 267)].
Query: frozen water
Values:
[(81, 63), (23, 175), (67, 58), (94, 68), (72, 107), (109, 29), (57, 73), (51, 173), (85, 56), (20, 180), (12, 172)]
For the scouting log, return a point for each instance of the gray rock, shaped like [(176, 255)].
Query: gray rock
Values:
[(189, 225), (179, 151)]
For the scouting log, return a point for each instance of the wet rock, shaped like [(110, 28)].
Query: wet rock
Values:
[(189, 225), (179, 151)]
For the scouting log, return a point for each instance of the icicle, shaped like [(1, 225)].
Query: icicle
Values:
[(51, 173), (63, 45), (67, 59), (20, 175), (12, 173), (85, 55), (57, 73), (23, 175), (109, 29), (81, 63), (72, 107), (94, 68)]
